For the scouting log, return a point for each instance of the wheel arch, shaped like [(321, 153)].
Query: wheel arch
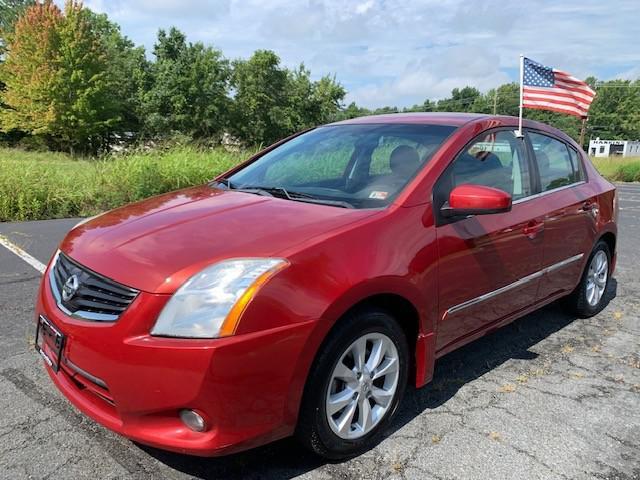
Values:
[(402, 305), (421, 342), (610, 239)]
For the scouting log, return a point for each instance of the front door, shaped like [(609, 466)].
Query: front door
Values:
[(488, 264)]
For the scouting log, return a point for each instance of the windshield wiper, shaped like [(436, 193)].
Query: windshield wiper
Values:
[(305, 197), (321, 201), (223, 181), (282, 192)]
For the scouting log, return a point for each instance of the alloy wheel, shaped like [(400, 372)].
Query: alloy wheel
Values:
[(362, 386), (597, 278)]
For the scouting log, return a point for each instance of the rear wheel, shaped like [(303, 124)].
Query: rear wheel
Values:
[(588, 297), (355, 385)]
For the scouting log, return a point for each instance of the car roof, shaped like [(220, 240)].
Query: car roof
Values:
[(431, 118), (454, 119)]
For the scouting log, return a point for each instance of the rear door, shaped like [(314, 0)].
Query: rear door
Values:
[(488, 264), (571, 208)]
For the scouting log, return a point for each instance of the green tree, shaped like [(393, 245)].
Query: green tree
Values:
[(352, 111), (57, 75), (461, 100), (30, 69), (84, 94), (128, 70), (615, 112), (385, 110), (508, 101), (10, 11), (311, 103), (260, 103), (188, 91), (328, 95)]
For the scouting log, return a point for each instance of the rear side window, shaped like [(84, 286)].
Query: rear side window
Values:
[(555, 164), (578, 172)]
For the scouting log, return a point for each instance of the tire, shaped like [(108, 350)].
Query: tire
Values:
[(580, 301), (329, 380)]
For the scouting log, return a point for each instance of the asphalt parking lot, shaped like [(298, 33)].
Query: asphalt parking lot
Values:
[(547, 397)]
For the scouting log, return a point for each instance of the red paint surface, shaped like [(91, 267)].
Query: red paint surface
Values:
[(249, 386), (479, 197)]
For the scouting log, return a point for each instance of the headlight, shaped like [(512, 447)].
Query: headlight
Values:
[(210, 303)]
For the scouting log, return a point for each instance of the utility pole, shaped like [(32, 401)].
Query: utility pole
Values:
[(582, 131), (495, 101)]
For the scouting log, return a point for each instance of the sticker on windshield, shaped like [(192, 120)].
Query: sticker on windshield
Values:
[(378, 195)]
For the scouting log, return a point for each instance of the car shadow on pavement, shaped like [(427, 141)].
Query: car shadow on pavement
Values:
[(286, 459)]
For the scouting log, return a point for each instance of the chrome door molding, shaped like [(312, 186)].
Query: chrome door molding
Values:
[(511, 286), (547, 192)]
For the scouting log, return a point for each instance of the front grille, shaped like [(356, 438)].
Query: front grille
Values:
[(89, 296)]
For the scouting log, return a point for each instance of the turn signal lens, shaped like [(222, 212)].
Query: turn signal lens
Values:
[(233, 318)]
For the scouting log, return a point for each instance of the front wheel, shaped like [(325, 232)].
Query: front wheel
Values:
[(355, 385), (589, 296)]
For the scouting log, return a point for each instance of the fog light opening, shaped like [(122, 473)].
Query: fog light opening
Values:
[(193, 420)]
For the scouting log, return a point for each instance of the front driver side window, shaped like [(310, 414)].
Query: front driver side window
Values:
[(494, 160)]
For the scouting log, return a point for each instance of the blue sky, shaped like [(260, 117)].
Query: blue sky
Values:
[(399, 52)]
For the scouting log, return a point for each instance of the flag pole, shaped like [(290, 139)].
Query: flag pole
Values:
[(519, 132)]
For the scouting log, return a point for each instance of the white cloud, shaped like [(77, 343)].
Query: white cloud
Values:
[(364, 7), (401, 52), (631, 74), (434, 76)]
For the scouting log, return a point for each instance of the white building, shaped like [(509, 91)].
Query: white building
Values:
[(606, 148)]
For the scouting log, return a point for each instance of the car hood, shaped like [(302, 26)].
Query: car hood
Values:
[(156, 244)]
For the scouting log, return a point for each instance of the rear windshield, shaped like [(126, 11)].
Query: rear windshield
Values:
[(352, 166)]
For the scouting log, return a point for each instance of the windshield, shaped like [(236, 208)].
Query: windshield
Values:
[(352, 166)]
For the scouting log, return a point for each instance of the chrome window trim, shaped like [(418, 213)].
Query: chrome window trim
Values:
[(80, 314), (511, 286), (541, 194)]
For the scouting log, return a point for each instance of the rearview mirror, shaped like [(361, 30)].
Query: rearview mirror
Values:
[(476, 200)]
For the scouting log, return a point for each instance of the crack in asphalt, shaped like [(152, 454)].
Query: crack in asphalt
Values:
[(137, 466), (549, 396), (22, 279)]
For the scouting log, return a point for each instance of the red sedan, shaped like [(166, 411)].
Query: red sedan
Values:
[(299, 292)]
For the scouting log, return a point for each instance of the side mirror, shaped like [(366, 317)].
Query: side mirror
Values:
[(476, 200)]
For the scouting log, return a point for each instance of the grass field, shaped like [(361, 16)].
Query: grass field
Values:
[(619, 169), (37, 186), (52, 185)]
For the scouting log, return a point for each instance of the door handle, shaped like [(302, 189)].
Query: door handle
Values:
[(588, 206), (533, 228)]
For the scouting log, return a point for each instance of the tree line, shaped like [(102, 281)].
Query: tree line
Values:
[(70, 80), (614, 113)]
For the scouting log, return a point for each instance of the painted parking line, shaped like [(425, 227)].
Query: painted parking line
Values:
[(13, 248)]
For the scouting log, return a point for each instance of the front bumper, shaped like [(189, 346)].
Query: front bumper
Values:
[(247, 387)]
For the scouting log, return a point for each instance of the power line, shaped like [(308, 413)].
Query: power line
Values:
[(616, 86)]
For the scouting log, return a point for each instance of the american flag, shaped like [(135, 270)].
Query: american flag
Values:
[(546, 88)]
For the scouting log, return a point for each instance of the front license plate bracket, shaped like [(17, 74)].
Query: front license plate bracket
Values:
[(49, 342)]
